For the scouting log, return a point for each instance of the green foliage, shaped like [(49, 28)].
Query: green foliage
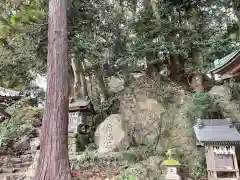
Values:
[(20, 123), (137, 154), (11, 130), (19, 52), (174, 153), (82, 140), (201, 106), (199, 169), (165, 92), (235, 89), (110, 106), (128, 177)]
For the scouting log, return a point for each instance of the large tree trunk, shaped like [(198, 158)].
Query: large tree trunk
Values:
[(197, 78), (77, 80), (53, 163), (197, 82), (150, 66), (236, 8), (101, 82), (80, 83), (83, 80)]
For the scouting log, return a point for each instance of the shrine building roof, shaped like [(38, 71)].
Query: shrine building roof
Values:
[(216, 131), (220, 64)]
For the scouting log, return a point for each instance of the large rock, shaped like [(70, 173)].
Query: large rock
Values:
[(143, 117), (222, 92), (23, 144), (110, 135), (223, 97), (116, 84)]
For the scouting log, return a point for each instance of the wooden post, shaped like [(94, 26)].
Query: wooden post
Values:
[(235, 162)]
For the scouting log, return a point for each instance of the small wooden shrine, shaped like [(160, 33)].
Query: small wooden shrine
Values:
[(77, 109), (227, 67), (219, 137)]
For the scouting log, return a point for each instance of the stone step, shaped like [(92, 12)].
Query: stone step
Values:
[(23, 165), (10, 170), (15, 160), (27, 158), (9, 176)]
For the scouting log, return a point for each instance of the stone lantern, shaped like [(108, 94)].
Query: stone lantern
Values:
[(172, 169)]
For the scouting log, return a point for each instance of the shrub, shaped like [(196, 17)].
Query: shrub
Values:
[(20, 124), (235, 90), (165, 92), (201, 107)]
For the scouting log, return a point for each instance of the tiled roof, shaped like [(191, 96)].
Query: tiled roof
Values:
[(220, 63), (216, 131), (8, 92), (79, 103)]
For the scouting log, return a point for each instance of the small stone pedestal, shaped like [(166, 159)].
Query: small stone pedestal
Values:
[(72, 148), (172, 174)]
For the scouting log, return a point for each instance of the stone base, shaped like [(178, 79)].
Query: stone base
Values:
[(172, 174), (72, 148)]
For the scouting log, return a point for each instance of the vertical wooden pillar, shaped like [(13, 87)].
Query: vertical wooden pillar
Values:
[(235, 162)]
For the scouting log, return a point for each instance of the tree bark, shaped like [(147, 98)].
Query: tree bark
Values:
[(236, 9), (80, 82), (150, 67), (197, 82), (53, 163), (197, 78), (83, 80), (101, 82), (77, 80)]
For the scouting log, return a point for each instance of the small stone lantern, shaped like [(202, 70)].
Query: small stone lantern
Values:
[(172, 167)]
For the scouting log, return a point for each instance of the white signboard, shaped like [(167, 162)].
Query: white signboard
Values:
[(74, 120)]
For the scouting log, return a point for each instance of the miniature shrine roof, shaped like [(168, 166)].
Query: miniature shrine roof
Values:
[(79, 103), (8, 92), (216, 131)]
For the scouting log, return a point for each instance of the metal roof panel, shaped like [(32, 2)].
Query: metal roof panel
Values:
[(216, 130)]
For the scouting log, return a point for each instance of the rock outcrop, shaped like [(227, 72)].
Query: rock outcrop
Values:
[(228, 106), (142, 114), (116, 84), (22, 144)]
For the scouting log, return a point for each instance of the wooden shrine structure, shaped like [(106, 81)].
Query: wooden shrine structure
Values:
[(227, 67), (219, 137), (77, 110)]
